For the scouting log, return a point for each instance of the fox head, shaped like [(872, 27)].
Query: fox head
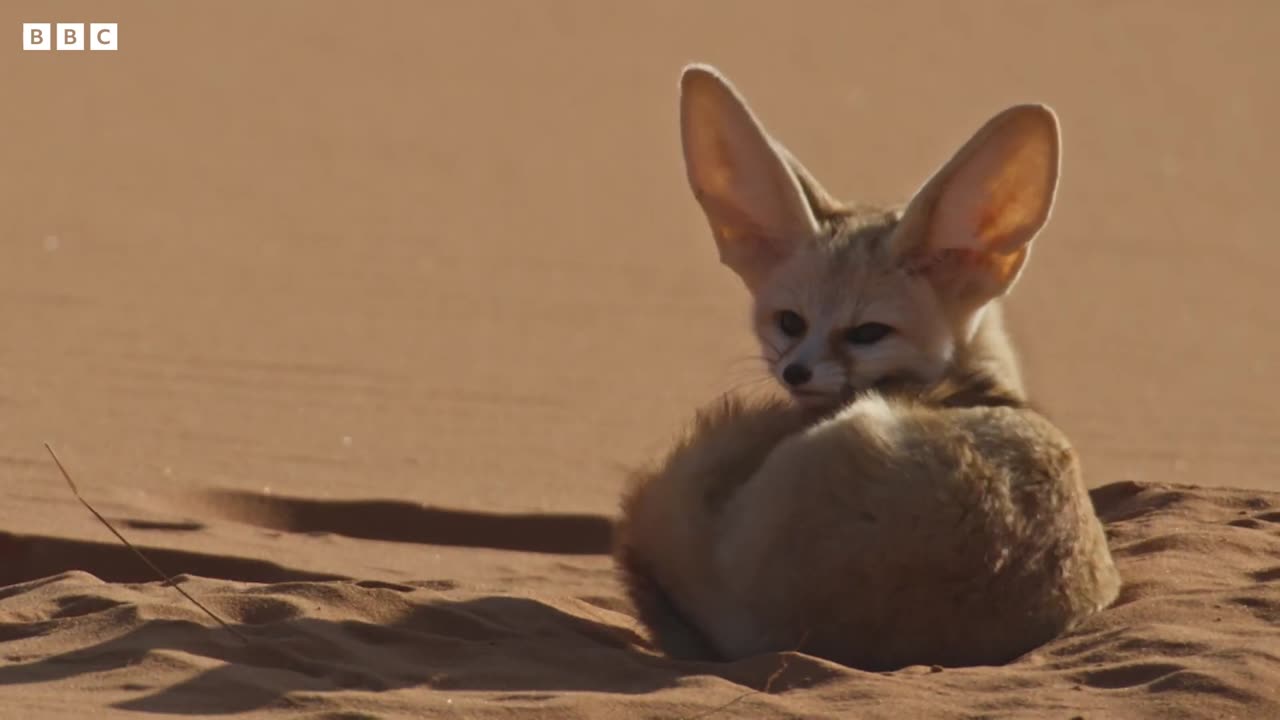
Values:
[(846, 298)]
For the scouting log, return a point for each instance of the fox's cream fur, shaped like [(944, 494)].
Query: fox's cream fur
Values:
[(906, 505)]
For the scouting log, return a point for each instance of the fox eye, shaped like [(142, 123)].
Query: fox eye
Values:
[(791, 324), (867, 333)]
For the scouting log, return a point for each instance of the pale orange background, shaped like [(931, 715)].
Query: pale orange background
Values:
[(444, 252), (459, 234)]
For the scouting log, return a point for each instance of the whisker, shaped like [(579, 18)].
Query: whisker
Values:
[(777, 351), (753, 359), (742, 387)]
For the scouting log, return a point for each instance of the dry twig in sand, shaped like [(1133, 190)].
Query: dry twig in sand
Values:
[(168, 580)]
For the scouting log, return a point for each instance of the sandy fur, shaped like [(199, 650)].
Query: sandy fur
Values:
[(917, 534), (933, 518)]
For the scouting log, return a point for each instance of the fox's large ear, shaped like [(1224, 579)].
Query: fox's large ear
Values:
[(740, 176), (969, 229)]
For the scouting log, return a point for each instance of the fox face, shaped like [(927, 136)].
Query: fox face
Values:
[(847, 298), (839, 315)]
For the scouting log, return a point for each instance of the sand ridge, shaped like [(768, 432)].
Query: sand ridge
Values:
[(1194, 633)]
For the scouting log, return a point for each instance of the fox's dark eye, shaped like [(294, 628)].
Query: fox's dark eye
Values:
[(867, 333), (791, 324)]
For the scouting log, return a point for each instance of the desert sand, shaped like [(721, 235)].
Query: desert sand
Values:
[(354, 315)]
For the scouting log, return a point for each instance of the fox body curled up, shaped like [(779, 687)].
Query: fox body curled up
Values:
[(905, 505)]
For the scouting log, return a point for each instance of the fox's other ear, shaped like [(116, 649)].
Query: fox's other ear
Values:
[(754, 202), (970, 227)]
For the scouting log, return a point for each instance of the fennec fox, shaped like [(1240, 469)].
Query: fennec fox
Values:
[(905, 505)]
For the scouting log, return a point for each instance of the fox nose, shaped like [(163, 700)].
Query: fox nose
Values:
[(796, 374)]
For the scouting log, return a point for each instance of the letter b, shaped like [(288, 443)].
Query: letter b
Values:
[(70, 36), (37, 36)]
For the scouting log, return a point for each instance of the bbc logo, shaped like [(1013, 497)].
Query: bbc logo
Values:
[(69, 36)]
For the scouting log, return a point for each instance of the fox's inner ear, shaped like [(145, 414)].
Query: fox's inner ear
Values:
[(753, 201), (970, 227)]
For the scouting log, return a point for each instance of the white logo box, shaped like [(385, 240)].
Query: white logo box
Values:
[(70, 36)]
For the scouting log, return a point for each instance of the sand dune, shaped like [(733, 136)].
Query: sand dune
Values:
[(352, 317), (1196, 633)]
